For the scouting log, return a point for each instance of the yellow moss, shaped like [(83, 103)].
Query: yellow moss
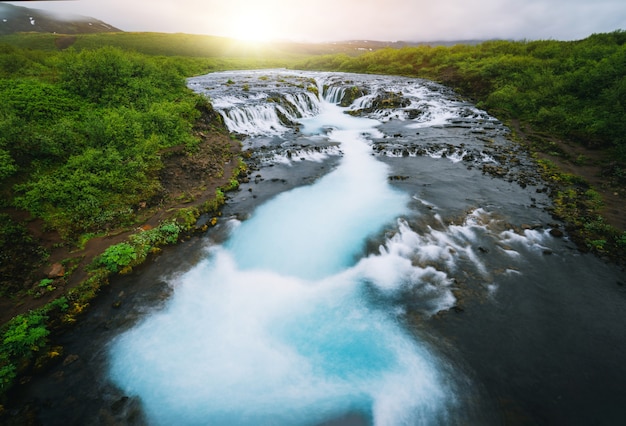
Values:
[(69, 319), (78, 308), (126, 270), (55, 352)]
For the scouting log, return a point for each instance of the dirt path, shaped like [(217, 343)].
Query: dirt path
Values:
[(187, 181), (587, 163)]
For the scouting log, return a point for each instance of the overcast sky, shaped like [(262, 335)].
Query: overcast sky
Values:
[(328, 20)]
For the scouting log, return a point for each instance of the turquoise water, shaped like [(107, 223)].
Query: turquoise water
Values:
[(347, 302), (276, 327)]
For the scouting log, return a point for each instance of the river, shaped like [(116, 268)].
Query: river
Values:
[(389, 262)]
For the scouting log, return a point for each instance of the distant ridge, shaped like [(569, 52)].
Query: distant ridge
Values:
[(16, 19), (377, 44)]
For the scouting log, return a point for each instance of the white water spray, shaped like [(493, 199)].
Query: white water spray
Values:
[(276, 327)]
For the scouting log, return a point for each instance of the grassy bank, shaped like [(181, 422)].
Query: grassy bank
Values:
[(92, 144), (95, 129)]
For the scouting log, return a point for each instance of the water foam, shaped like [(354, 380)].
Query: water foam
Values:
[(278, 327), (240, 347)]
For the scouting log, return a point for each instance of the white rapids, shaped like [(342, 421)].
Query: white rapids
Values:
[(289, 322)]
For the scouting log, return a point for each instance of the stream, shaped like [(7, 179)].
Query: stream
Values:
[(390, 260)]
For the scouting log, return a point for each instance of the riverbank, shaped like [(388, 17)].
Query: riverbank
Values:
[(72, 384), (189, 180), (186, 200), (587, 196), (193, 184), (75, 389)]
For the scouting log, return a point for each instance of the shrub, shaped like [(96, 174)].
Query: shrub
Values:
[(25, 333), (117, 257), (146, 241), (23, 336), (7, 165)]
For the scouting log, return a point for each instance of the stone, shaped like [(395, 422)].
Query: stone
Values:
[(70, 359), (56, 271), (557, 233)]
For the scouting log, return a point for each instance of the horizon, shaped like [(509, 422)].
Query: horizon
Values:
[(353, 20)]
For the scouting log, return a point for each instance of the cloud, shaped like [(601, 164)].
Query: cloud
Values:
[(324, 20)]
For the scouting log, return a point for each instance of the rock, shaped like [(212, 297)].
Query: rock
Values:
[(351, 94), (56, 271), (557, 233), (535, 226), (412, 114), (388, 100), (70, 359), (119, 405)]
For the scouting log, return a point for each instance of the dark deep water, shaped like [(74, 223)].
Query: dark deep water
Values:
[(392, 266)]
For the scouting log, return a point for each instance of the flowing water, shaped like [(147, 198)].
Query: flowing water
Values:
[(390, 262)]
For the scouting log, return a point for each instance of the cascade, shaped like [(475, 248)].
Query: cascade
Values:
[(386, 263), (333, 94), (370, 291), (258, 119), (275, 326)]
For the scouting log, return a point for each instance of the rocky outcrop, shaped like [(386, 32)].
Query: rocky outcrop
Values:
[(384, 101)]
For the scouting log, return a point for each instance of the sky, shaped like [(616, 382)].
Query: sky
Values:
[(336, 20)]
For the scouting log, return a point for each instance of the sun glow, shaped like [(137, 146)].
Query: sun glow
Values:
[(253, 28)]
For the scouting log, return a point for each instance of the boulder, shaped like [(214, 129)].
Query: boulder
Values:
[(56, 271), (557, 233)]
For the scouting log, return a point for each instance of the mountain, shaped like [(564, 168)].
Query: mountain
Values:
[(15, 19)]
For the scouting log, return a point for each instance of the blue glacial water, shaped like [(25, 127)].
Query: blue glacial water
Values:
[(413, 281), (275, 327)]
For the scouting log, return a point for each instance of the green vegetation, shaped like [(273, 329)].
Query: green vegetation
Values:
[(84, 138), (87, 123), (84, 135), (575, 90), (26, 337), (19, 252), (189, 54), (580, 207)]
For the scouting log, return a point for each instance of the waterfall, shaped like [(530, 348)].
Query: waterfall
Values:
[(254, 120), (267, 115), (279, 325), (333, 94)]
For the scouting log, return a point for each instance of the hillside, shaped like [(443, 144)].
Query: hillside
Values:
[(15, 19)]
